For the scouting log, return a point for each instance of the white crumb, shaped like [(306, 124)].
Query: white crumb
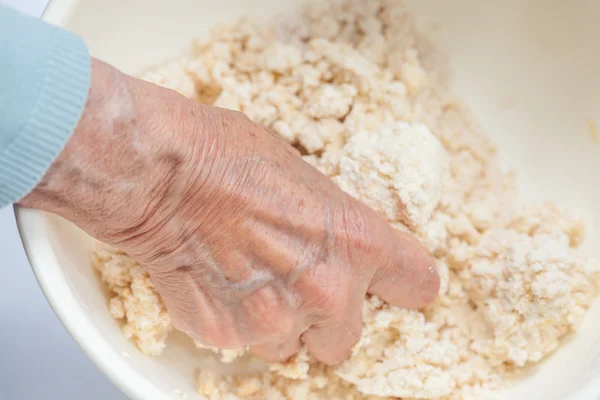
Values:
[(531, 290), (353, 84), (397, 170), (135, 300)]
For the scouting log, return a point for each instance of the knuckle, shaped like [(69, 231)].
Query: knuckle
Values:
[(359, 231), (274, 327), (328, 299), (333, 301), (216, 334), (267, 314), (209, 327)]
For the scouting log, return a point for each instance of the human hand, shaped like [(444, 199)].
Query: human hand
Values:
[(245, 242)]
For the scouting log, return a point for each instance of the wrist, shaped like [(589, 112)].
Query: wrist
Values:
[(106, 178)]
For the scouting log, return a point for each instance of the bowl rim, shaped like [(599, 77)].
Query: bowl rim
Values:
[(32, 228)]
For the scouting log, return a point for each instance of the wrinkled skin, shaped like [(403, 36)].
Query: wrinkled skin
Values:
[(245, 242)]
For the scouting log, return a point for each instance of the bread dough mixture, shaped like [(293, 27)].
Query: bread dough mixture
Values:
[(356, 88)]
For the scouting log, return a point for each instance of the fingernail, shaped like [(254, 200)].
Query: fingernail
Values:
[(430, 284)]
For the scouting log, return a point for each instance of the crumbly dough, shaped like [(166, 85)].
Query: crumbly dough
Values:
[(135, 300), (354, 86), (398, 170)]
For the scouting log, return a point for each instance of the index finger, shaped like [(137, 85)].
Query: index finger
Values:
[(406, 275)]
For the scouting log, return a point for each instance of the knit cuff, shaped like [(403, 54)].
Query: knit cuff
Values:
[(60, 103)]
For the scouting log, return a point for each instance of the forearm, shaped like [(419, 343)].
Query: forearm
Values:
[(44, 81)]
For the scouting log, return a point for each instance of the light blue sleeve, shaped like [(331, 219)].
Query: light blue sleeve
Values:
[(44, 84)]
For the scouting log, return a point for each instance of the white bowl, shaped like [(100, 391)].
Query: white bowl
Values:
[(528, 68)]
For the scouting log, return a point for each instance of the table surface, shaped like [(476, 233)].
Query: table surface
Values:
[(38, 358)]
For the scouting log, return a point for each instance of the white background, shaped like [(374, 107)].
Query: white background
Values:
[(38, 359)]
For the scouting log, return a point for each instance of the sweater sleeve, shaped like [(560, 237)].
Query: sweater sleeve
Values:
[(44, 83)]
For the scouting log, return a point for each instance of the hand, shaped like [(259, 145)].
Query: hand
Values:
[(246, 243)]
